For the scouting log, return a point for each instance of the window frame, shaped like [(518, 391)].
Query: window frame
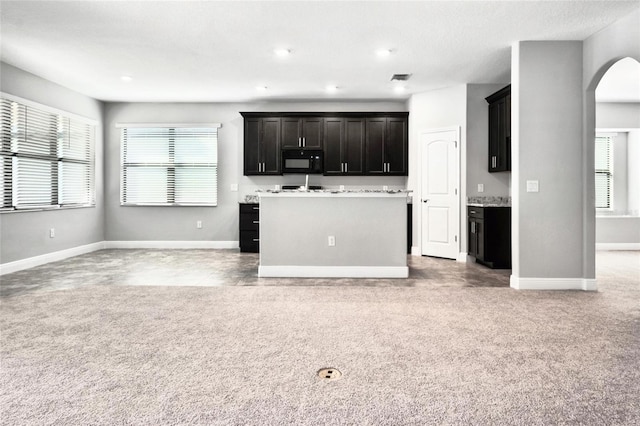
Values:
[(57, 160), (171, 165), (609, 172)]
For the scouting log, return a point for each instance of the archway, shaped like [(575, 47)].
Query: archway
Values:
[(612, 182)]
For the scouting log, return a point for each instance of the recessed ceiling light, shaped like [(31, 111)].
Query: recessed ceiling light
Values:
[(282, 52), (383, 53), (331, 88), (126, 78)]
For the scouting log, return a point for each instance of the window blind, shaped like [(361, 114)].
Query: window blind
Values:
[(603, 169), (46, 158), (169, 166)]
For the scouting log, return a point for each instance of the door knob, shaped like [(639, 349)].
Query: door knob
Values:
[(425, 200)]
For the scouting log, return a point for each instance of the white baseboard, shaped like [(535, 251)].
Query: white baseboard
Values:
[(30, 262), (617, 246), (586, 284), (462, 257), (172, 244), (334, 271)]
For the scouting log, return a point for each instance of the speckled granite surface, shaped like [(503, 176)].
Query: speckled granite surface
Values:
[(489, 201)]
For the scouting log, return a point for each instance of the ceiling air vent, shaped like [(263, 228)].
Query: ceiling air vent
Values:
[(400, 77)]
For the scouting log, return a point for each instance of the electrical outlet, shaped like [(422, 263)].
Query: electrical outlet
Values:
[(341, 187), (199, 224), (385, 188), (332, 241), (52, 233), (234, 187), (481, 187), (533, 186), (277, 187)]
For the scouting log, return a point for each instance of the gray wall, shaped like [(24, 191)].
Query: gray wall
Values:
[(219, 223), (633, 172), (351, 220), (547, 146), (495, 184), (26, 234), (618, 115)]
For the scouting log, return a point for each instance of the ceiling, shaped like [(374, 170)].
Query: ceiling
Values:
[(222, 51)]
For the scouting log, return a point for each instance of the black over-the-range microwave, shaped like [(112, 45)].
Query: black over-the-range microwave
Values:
[(304, 161)]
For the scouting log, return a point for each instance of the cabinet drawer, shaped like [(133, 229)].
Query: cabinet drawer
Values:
[(475, 212), (249, 240), (249, 222), (249, 208)]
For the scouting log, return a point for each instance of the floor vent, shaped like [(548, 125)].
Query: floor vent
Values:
[(329, 374)]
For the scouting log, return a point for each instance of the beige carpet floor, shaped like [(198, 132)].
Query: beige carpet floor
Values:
[(235, 355)]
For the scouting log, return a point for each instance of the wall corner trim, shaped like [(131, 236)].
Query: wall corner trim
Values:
[(333, 271), (172, 244), (31, 262), (585, 284), (617, 246), (463, 257)]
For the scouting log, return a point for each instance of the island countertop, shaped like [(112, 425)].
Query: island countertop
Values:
[(336, 193)]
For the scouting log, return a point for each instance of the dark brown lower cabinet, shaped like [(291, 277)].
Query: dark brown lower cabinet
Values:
[(489, 230), (249, 227)]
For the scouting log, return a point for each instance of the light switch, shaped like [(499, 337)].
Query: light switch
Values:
[(533, 186), (481, 187)]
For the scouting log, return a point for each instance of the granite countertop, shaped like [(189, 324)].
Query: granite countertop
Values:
[(489, 201), (337, 191)]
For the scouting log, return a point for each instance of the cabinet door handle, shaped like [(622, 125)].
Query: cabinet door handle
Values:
[(472, 211), (493, 161), (473, 227), (256, 208), (304, 142), (255, 240), (256, 221), (342, 167), (346, 167)]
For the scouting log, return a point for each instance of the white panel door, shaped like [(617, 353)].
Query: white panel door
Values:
[(439, 202)]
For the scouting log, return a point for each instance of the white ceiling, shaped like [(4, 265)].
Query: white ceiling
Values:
[(220, 51)]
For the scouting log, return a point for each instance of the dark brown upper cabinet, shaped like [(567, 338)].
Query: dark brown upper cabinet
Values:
[(500, 130), (262, 146), (354, 143), (302, 132), (343, 146), (386, 151)]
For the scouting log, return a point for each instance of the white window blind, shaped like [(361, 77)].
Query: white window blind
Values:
[(603, 168), (169, 166), (46, 158)]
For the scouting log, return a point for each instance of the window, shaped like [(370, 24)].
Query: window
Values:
[(46, 157), (169, 166), (603, 166)]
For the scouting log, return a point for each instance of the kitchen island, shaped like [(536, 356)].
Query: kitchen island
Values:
[(355, 234)]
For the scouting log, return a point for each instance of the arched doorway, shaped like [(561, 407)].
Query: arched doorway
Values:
[(613, 168)]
